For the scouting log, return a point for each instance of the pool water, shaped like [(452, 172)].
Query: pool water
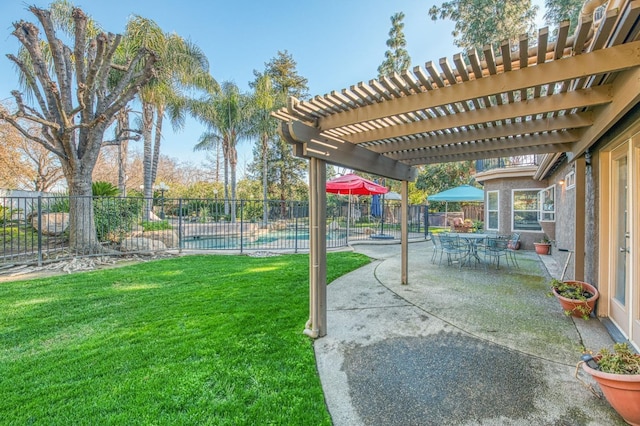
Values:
[(272, 240)]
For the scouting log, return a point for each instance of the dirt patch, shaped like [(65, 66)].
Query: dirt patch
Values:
[(73, 265)]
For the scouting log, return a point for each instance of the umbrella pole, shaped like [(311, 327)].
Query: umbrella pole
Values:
[(348, 214), (446, 210), (382, 218)]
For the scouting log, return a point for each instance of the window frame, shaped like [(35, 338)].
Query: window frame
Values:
[(547, 204), (535, 192), (570, 179), (489, 211)]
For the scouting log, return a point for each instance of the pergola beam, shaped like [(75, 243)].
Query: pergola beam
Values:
[(559, 102), (509, 152), (573, 121), (311, 144), (626, 94), (603, 61), (527, 141)]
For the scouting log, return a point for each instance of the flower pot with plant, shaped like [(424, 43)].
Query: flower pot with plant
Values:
[(577, 298), (617, 373), (543, 246)]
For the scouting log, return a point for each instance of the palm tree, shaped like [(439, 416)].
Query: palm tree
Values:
[(227, 117), (212, 140), (264, 126), (182, 67)]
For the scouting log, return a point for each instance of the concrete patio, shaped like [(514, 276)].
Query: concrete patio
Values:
[(457, 346)]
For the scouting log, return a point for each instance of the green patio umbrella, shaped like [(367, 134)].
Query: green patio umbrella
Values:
[(457, 194)]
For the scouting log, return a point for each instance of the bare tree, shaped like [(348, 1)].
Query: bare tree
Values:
[(75, 103), (45, 168), (24, 164)]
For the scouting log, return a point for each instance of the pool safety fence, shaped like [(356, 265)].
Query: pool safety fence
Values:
[(42, 229)]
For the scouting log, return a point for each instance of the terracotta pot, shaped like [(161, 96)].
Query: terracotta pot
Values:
[(573, 305), (622, 392), (542, 248)]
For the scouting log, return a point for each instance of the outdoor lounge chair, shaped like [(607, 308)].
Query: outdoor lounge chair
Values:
[(495, 249), (512, 246), (455, 249), (437, 247)]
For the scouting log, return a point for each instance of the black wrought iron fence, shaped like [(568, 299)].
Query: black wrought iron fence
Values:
[(42, 229)]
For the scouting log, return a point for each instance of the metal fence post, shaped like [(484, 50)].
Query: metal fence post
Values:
[(295, 215), (39, 230), (241, 225), (180, 225)]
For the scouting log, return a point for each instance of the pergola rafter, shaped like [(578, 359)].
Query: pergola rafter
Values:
[(557, 96), (539, 91)]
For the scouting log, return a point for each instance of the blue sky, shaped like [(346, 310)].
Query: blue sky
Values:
[(336, 43)]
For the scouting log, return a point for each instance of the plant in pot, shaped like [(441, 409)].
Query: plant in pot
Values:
[(617, 373), (543, 246), (577, 298)]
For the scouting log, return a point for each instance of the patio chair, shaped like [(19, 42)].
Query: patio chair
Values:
[(454, 248), (512, 246), (437, 247), (495, 249)]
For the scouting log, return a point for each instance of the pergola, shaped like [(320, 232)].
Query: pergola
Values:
[(555, 96)]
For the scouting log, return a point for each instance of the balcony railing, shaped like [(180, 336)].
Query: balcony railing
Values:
[(506, 162)]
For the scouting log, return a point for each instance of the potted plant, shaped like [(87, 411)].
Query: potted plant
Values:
[(543, 246), (617, 373), (577, 298)]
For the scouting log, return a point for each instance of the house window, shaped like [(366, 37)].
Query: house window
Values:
[(570, 180), (525, 210), (548, 204), (492, 210)]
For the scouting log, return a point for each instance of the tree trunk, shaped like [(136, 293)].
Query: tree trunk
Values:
[(147, 125), (233, 163), (156, 144), (123, 151), (218, 155), (265, 181), (225, 149), (82, 229)]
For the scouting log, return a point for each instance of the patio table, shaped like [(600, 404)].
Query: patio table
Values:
[(472, 241)]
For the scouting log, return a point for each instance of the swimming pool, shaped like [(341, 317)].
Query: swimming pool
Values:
[(268, 240)]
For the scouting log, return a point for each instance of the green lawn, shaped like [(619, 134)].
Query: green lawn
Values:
[(190, 340)]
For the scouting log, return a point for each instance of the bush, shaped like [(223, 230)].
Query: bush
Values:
[(58, 204), (156, 226), (115, 217), (104, 189)]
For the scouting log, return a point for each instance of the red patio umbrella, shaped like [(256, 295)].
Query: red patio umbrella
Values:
[(351, 184)]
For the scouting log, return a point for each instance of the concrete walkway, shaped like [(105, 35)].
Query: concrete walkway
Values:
[(457, 346)]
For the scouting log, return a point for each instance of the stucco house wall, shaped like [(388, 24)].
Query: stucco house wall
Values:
[(505, 189), (563, 242)]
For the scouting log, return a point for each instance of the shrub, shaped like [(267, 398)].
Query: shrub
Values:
[(115, 217), (104, 189), (58, 204), (156, 226)]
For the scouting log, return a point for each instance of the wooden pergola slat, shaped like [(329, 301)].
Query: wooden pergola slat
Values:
[(555, 97)]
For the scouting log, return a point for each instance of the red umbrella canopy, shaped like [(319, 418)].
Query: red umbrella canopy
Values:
[(351, 184)]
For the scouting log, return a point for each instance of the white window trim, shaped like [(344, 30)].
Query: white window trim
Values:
[(511, 210), (541, 211), (486, 221), (570, 179)]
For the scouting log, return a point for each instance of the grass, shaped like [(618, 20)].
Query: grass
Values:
[(192, 340)]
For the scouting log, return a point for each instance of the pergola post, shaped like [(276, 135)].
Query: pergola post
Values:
[(404, 231), (580, 221), (317, 324)]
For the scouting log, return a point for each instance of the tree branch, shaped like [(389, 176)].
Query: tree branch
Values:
[(57, 49), (79, 47), (11, 119), (27, 34)]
